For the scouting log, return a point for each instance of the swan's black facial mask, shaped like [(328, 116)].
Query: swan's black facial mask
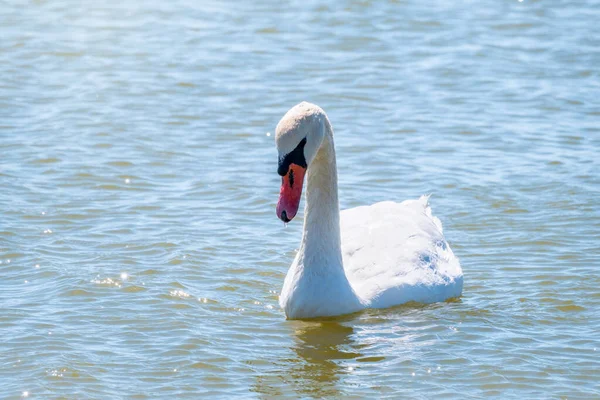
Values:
[(294, 157)]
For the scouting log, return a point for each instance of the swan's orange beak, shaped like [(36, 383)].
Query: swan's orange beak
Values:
[(290, 193)]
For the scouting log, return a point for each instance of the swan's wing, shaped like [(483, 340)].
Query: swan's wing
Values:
[(396, 252)]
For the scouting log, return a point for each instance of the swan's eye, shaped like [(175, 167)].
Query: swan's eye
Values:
[(291, 177), (294, 157)]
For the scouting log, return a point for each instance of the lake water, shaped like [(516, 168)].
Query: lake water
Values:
[(140, 252)]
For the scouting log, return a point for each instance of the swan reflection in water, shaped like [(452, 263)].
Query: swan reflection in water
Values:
[(321, 348)]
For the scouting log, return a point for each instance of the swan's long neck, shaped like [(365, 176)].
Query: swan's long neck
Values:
[(321, 244), (316, 283)]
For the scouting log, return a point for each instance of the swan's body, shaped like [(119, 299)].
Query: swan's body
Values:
[(367, 257)]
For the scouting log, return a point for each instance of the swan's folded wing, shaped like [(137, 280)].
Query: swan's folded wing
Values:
[(396, 252)]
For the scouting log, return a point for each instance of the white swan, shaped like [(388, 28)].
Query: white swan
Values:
[(384, 255)]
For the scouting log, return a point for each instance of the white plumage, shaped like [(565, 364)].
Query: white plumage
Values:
[(394, 253), (373, 256)]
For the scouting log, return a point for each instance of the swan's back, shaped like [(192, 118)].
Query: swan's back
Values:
[(396, 252)]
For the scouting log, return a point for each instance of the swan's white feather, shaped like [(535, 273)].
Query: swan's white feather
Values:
[(367, 257), (394, 253)]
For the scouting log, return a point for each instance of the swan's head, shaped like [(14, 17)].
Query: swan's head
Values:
[(298, 137)]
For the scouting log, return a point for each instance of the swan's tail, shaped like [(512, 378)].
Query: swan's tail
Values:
[(424, 200)]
